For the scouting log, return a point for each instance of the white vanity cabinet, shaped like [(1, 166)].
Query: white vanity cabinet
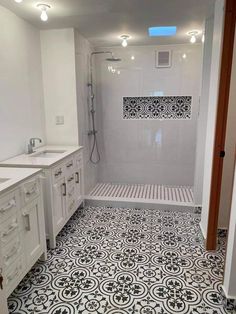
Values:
[(63, 190), (63, 184), (22, 225)]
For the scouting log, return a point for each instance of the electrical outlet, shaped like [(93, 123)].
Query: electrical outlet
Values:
[(59, 120)]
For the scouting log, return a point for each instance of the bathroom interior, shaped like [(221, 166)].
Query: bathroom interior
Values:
[(107, 115)]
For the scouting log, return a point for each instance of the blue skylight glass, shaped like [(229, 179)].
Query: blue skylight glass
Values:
[(162, 31)]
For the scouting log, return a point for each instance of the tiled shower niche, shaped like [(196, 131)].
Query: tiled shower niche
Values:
[(158, 107)]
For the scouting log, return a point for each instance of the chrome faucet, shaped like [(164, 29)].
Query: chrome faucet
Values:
[(31, 144)]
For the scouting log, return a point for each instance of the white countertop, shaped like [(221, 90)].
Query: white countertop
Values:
[(15, 176), (31, 161)]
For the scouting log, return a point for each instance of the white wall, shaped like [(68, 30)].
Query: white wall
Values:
[(21, 93), (212, 109), (130, 150), (83, 50), (228, 208), (228, 168), (229, 284), (59, 85), (203, 110)]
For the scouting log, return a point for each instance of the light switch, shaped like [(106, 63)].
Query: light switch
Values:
[(59, 120)]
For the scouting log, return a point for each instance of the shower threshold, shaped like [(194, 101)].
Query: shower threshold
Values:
[(146, 195)]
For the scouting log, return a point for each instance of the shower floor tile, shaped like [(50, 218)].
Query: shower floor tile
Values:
[(125, 261), (143, 192)]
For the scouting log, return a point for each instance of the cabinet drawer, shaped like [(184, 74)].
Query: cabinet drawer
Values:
[(13, 275), (9, 204), (9, 229), (69, 165), (12, 251), (58, 172), (30, 190)]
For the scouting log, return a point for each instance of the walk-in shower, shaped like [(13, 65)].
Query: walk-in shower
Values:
[(93, 131), (147, 121)]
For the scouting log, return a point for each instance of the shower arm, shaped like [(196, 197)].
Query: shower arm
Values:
[(91, 67)]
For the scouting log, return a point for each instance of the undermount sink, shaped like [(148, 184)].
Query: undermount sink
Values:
[(48, 153), (3, 180)]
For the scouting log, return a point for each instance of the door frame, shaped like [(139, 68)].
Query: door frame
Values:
[(221, 122)]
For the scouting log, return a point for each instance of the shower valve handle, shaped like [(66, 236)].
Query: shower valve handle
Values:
[(92, 132)]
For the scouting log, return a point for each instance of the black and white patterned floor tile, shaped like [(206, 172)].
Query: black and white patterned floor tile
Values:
[(125, 261)]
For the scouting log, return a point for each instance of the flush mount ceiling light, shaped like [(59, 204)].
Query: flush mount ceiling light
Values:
[(193, 35), (124, 40), (18, 1), (44, 8)]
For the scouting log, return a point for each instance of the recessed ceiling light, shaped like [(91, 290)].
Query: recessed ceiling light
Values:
[(18, 1), (44, 8), (124, 40), (184, 56), (159, 31), (132, 57)]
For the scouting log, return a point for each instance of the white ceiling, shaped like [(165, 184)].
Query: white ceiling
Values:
[(103, 21)]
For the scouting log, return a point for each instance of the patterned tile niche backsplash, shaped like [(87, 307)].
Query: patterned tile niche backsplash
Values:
[(158, 107)]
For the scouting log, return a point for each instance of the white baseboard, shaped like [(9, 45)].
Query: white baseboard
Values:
[(226, 295), (137, 204)]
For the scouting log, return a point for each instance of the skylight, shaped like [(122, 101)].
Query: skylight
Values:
[(162, 31)]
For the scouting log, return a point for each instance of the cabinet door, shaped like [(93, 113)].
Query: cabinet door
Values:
[(59, 199), (33, 226), (70, 197), (79, 179), (3, 303), (3, 298)]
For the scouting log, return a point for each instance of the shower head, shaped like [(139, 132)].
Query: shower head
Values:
[(113, 59)]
